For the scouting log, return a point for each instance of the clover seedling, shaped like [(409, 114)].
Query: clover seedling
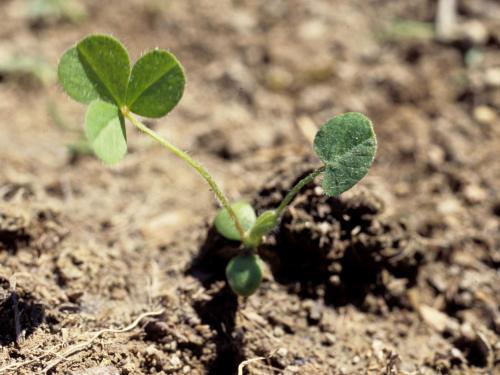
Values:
[(97, 72)]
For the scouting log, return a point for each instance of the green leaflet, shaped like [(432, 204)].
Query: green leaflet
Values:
[(156, 84), (225, 225), (105, 130), (347, 145), (98, 67)]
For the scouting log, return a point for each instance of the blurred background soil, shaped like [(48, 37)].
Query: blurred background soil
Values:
[(398, 276)]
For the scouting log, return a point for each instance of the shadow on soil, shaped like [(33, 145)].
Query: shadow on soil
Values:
[(20, 315), (220, 314), (11, 240), (339, 249), (220, 311)]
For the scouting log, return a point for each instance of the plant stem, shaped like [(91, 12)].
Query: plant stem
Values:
[(298, 186), (193, 163)]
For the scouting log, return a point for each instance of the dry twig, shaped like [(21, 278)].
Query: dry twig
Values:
[(78, 347), (248, 361)]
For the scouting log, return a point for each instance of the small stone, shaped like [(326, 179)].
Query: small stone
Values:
[(436, 155), (449, 206), (282, 352), (484, 114), (356, 359), (401, 188), (378, 349), (492, 77), (324, 227), (475, 194), (315, 313), (438, 281), (474, 32), (278, 79), (278, 331), (329, 338), (175, 361), (311, 30), (334, 280), (467, 331), (455, 353), (335, 267), (437, 319), (318, 190)]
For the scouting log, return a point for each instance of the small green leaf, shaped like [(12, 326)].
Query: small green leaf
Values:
[(347, 145), (105, 130), (225, 225), (244, 274), (98, 67), (156, 84)]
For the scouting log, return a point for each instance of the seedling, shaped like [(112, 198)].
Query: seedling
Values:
[(97, 72)]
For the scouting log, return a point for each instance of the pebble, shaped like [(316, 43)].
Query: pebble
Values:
[(314, 311), (449, 206), (475, 194), (282, 352), (343, 371), (438, 281), (329, 339), (437, 319), (278, 331), (484, 114), (175, 361), (334, 280), (492, 77), (455, 353), (311, 30), (356, 359), (318, 190), (467, 331), (436, 155), (378, 349), (278, 79), (474, 31)]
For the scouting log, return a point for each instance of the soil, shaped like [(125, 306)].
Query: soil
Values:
[(400, 275)]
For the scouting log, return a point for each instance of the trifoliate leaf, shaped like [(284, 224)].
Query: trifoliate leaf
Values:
[(244, 274), (156, 84), (98, 67), (224, 224), (347, 145), (105, 130)]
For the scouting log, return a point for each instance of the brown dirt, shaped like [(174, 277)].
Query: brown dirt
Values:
[(398, 276)]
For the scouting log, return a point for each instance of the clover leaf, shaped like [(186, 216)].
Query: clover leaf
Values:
[(98, 67), (105, 130), (156, 84), (347, 145), (97, 72)]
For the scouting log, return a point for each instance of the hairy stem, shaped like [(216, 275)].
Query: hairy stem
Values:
[(298, 186), (193, 163)]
